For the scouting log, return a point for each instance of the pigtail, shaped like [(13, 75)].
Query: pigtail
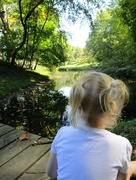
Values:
[(76, 97), (116, 94), (104, 102)]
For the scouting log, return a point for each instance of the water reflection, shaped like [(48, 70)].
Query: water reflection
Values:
[(64, 81), (65, 91), (67, 78)]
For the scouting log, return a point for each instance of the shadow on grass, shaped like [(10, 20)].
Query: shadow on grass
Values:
[(13, 79)]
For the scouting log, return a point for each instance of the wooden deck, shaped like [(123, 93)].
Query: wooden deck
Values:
[(21, 159)]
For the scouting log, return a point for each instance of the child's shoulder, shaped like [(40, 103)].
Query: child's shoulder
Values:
[(117, 138), (66, 128)]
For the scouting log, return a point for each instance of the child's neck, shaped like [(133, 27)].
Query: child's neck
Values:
[(99, 123), (98, 126)]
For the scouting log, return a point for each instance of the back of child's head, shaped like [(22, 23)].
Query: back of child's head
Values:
[(94, 95)]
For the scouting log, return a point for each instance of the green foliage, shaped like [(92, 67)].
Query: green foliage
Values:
[(113, 48), (38, 111), (77, 56), (110, 40), (31, 31), (53, 50), (128, 130), (30, 34), (13, 79), (128, 13)]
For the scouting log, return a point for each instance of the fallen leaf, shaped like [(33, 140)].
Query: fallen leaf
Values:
[(24, 137)]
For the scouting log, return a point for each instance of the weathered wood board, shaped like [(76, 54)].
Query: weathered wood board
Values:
[(20, 159), (37, 171)]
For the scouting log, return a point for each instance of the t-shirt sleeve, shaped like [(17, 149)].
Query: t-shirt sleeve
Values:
[(126, 158), (54, 143)]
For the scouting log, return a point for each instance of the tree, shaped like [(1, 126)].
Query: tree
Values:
[(111, 41), (113, 47), (128, 13), (21, 18), (8, 35), (75, 55)]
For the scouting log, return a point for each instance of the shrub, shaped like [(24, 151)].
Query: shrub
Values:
[(127, 129)]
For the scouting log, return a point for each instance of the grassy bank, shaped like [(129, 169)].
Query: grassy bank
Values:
[(78, 66), (12, 79)]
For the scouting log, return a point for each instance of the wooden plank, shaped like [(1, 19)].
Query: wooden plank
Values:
[(37, 171), (5, 129), (22, 162), (36, 177), (15, 148), (10, 137)]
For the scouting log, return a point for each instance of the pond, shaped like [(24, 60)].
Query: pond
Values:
[(41, 111), (67, 78)]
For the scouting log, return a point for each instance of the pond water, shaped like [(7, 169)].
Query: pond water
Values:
[(66, 79), (23, 111)]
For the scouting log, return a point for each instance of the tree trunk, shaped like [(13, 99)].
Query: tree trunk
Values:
[(36, 63), (6, 32), (24, 24)]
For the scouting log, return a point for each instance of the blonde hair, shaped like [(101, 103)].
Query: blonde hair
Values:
[(95, 94)]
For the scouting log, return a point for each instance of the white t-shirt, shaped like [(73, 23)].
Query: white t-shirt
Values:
[(90, 154)]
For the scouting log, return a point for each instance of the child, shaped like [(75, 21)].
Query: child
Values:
[(85, 150)]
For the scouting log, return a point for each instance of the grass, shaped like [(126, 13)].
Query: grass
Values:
[(78, 66), (13, 79), (42, 71)]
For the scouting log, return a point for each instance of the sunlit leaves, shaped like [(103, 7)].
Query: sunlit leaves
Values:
[(128, 12), (31, 30), (110, 39), (113, 47)]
